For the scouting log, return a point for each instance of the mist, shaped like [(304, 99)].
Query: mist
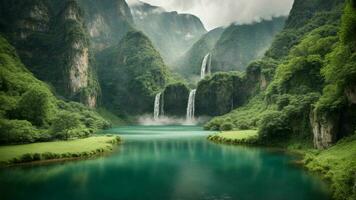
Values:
[(216, 13)]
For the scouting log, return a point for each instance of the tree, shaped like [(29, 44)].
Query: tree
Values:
[(36, 106)]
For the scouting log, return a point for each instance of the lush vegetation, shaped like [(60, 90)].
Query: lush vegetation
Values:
[(337, 165), (131, 74), (79, 148), (235, 137), (309, 92), (29, 111), (175, 98), (53, 43), (219, 94)]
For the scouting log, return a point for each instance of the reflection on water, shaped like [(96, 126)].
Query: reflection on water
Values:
[(175, 163)]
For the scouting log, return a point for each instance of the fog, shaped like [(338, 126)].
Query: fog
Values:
[(215, 13)]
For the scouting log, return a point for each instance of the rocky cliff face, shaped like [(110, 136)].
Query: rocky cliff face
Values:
[(241, 44), (51, 39), (171, 33), (325, 129), (107, 21), (175, 98)]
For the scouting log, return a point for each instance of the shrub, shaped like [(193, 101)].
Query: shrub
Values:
[(227, 126), (67, 125), (36, 106), (17, 131), (273, 126)]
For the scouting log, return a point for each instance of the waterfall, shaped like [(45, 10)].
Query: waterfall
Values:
[(191, 105), (205, 66), (157, 106)]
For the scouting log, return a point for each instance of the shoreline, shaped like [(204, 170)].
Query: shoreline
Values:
[(331, 165), (93, 147)]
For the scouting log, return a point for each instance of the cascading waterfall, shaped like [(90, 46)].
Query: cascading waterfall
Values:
[(191, 106), (205, 66), (157, 106)]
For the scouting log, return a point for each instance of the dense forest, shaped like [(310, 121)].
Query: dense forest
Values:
[(71, 68)]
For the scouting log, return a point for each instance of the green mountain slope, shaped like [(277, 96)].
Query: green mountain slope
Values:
[(190, 63), (131, 73), (241, 44), (171, 33)]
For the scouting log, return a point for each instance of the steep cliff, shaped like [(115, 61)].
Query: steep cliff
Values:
[(29, 110), (107, 21), (241, 44), (189, 65), (175, 98), (131, 74), (171, 33), (52, 41)]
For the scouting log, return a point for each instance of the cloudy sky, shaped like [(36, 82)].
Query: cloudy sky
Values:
[(215, 13)]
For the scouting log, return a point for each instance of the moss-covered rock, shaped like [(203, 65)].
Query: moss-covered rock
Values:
[(175, 98), (218, 94)]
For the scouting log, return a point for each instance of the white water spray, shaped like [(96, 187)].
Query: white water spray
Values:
[(191, 106), (205, 66)]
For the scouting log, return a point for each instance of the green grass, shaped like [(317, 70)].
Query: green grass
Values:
[(56, 150), (338, 165), (235, 137), (238, 135)]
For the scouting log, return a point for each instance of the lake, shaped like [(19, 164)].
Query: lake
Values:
[(163, 163)]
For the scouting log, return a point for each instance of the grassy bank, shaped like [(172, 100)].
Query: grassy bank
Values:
[(337, 165), (79, 148), (235, 137)]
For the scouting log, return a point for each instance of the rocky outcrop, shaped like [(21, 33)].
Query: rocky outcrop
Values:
[(52, 41), (325, 129), (107, 21), (176, 99), (350, 93)]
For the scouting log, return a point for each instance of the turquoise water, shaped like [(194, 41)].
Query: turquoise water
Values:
[(166, 162)]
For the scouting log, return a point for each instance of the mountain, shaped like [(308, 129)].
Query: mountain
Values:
[(107, 21), (286, 84), (171, 33), (241, 44), (52, 41), (190, 63), (131, 74)]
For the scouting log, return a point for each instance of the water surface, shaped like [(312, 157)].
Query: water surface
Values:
[(166, 162)]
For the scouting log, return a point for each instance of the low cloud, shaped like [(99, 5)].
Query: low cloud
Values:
[(215, 13)]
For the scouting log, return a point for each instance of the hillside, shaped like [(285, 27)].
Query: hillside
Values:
[(241, 44), (29, 111), (190, 63), (131, 74), (171, 33)]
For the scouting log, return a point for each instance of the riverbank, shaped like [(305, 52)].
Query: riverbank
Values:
[(249, 137), (336, 165), (59, 150)]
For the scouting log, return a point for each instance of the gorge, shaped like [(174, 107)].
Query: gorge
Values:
[(153, 105)]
